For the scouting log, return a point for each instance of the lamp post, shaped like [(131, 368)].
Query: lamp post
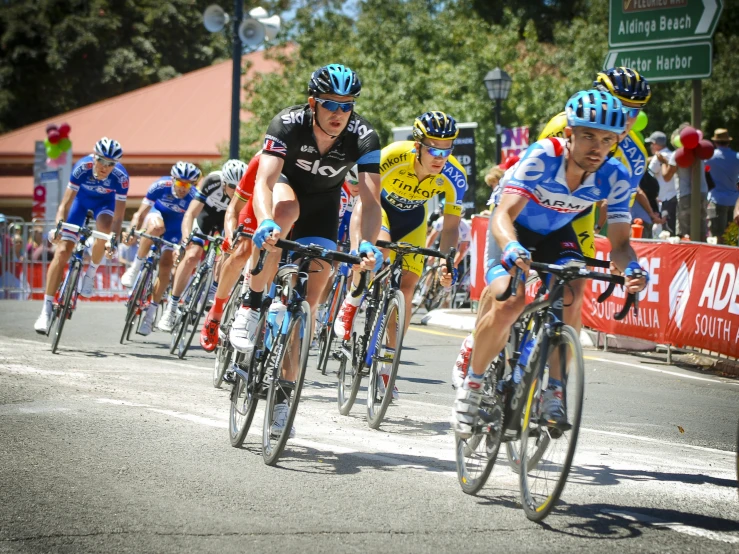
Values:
[(233, 151), (498, 83)]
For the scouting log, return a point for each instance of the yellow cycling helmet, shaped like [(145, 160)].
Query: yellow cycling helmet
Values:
[(555, 127), (435, 125), (625, 84)]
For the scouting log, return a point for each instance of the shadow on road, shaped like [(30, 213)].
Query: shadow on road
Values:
[(607, 476)]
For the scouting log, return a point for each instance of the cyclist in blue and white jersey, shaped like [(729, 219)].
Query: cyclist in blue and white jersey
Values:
[(554, 181), (99, 183), (165, 203)]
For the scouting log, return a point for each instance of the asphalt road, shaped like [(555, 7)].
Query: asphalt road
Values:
[(110, 448)]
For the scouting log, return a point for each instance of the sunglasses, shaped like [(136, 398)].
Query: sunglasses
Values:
[(631, 112), (104, 162), (332, 105), (438, 152), (181, 183)]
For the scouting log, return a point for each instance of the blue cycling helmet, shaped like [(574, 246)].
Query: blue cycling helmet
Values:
[(596, 109), (109, 149), (334, 79), (185, 171)]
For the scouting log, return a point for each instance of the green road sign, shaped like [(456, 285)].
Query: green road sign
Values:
[(647, 22), (669, 62)]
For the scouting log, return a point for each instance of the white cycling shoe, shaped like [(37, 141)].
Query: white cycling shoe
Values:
[(166, 322), (279, 420), (128, 278), (244, 329), (87, 285), (147, 323), (42, 323), (466, 407)]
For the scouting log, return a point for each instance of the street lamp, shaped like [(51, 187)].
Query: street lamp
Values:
[(248, 31), (498, 83)]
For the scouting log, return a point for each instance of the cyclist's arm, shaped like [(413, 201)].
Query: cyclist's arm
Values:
[(193, 211), (65, 204), (461, 253), (140, 215), (270, 168), (370, 186), (231, 219), (622, 254), (432, 238), (449, 232), (505, 214), (118, 215)]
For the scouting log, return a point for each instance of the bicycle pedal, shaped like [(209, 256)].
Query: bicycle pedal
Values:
[(384, 359)]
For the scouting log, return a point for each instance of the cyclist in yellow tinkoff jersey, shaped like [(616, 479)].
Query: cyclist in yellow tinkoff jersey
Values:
[(413, 172)]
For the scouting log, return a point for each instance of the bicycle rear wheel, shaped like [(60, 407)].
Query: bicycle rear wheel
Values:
[(224, 351), (393, 324), (194, 317), (295, 352), (543, 481), (65, 308), (351, 363), (423, 288), (246, 389), (178, 330), (476, 455), (135, 304), (327, 336)]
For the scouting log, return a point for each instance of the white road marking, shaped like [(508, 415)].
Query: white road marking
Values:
[(656, 370), (655, 441), (675, 526)]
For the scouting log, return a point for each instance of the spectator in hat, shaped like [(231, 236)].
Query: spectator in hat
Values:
[(684, 200), (724, 170), (667, 195)]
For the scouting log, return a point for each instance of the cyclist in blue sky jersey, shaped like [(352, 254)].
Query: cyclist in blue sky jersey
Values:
[(555, 181), (165, 205), (99, 183)]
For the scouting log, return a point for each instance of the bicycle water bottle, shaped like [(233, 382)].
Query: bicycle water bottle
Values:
[(276, 313)]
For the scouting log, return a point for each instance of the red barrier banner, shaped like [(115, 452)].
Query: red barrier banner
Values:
[(477, 256), (692, 298)]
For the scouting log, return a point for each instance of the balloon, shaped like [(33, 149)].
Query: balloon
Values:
[(51, 127), (684, 157), (641, 122), (65, 144), (700, 135), (676, 141), (639, 136), (53, 151), (53, 163), (54, 136), (689, 137), (704, 150), (64, 130), (47, 142)]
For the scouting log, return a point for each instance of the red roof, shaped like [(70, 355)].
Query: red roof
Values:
[(186, 117)]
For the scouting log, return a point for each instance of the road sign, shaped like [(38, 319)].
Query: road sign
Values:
[(668, 62), (646, 22)]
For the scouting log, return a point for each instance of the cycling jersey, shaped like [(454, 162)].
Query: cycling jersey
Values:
[(213, 195), (465, 229), (89, 188), (245, 188), (540, 177), (315, 178), (170, 208), (346, 207)]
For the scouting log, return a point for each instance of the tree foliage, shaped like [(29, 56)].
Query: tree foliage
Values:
[(416, 55)]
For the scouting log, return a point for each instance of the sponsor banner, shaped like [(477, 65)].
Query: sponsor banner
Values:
[(478, 251), (692, 299), (514, 142), (107, 282)]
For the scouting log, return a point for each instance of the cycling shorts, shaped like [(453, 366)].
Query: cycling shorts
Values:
[(172, 225), (247, 218), (78, 212), (406, 226), (318, 221), (557, 247), (208, 224)]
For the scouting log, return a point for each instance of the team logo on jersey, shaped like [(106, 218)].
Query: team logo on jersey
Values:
[(359, 128), (308, 149), (439, 181), (317, 169), (338, 154), (275, 145), (124, 182), (292, 117)]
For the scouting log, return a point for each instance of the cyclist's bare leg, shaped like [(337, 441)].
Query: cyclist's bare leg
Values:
[(56, 268), (156, 229), (165, 273), (186, 267), (232, 266), (103, 223), (492, 329)]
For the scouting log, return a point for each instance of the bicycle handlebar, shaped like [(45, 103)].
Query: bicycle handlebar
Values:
[(406, 248), (156, 240), (77, 228), (215, 240)]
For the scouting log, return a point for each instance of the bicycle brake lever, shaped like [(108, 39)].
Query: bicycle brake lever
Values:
[(512, 289)]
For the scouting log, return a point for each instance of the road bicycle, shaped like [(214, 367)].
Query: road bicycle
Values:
[(429, 294), (194, 298), (328, 312), (282, 340), (142, 290), (511, 405), (65, 300), (377, 336)]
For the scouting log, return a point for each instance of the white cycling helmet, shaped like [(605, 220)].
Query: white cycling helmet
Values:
[(353, 175), (185, 171), (109, 149), (233, 171)]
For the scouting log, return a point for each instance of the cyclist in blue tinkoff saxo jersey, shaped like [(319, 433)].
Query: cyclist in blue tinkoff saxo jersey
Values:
[(99, 183), (165, 204), (555, 181)]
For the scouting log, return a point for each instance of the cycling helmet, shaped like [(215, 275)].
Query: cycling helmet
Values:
[(625, 84), (233, 171), (334, 79), (435, 125), (353, 175), (597, 110), (185, 171), (109, 149)]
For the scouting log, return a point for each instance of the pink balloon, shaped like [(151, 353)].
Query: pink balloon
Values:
[(53, 163), (689, 138), (700, 135)]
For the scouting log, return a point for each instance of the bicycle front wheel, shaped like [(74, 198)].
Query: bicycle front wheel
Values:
[(65, 308), (390, 335), (543, 481), (224, 351), (294, 354), (135, 303), (196, 314)]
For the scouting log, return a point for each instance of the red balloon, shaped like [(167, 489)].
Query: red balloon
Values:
[(704, 150), (689, 138), (684, 157), (54, 136), (64, 130), (51, 127)]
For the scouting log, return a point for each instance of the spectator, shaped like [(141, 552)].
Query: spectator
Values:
[(667, 187), (18, 253), (724, 171), (38, 248), (649, 186), (684, 200)]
